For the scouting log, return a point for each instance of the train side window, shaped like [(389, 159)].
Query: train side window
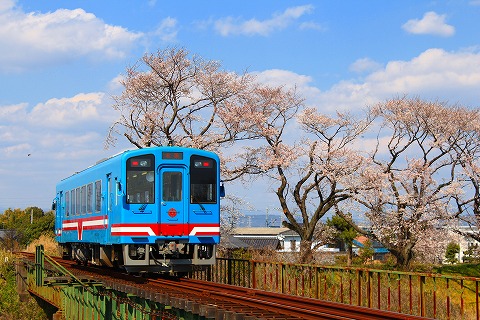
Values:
[(98, 196), (67, 203), (72, 202), (78, 200), (83, 195), (89, 197), (172, 186)]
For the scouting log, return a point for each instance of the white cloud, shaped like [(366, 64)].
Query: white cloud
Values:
[(76, 116), (115, 85), (236, 26), (365, 65), (167, 30), (431, 23), (290, 80), (71, 112), (49, 141), (6, 5), (311, 25), (22, 148), (13, 111), (434, 74), (32, 39), (433, 71)]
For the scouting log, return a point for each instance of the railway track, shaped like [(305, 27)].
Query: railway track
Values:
[(219, 299), (270, 305)]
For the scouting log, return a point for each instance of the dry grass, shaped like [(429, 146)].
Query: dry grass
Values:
[(50, 246)]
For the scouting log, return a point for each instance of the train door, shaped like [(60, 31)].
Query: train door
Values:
[(59, 206), (109, 193), (173, 201)]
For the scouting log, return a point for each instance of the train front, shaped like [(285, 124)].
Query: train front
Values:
[(170, 220)]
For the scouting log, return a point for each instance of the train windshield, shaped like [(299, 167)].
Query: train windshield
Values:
[(203, 180), (141, 179)]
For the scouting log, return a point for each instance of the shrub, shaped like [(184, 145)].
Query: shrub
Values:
[(50, 245), (10, 305)]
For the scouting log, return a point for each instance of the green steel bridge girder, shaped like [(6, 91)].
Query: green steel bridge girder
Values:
[(96, 300), (78, 299)]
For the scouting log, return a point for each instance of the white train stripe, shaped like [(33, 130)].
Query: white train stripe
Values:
[(91, 223), (196, 230), (70, 225), (133, 230)]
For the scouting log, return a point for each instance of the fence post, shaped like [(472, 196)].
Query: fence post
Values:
[(39, 264), (229, 271), (254, 277), (359, 288), (369, 289), (422, 296)]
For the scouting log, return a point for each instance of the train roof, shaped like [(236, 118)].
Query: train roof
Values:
[(132, 150)]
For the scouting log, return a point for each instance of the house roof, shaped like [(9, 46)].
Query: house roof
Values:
[(259, 231), (377, 246), (231, 242), (261, 243), (289, 233)]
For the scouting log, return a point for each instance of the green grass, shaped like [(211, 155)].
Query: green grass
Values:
[(464, 269)]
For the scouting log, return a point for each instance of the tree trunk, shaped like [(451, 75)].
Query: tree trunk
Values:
[(404, 257), (306, 252), (349, 254)]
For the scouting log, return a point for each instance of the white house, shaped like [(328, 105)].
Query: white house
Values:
[(267, 238), (279, 239)]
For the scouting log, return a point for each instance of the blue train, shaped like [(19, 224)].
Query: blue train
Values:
[(146, 210)]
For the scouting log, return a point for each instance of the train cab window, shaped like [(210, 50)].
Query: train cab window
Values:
[(141, 179), (172, 186), (203, 180)]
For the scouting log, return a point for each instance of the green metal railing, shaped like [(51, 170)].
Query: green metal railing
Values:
[(421, 294)]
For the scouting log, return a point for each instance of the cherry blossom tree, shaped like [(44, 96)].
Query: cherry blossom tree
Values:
[(232, 209), (412, 173), (173, 98), (307, 154), (467, 152)]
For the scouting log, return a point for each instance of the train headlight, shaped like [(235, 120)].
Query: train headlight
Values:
[(203, 164), (150, 176)]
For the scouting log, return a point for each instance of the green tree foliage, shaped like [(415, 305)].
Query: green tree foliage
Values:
[(10, 305), (472, 254), (345, 232), (367, 251), (25, 226), (451, 253)]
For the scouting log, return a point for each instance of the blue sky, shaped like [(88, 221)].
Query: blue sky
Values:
[(60, 62)]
